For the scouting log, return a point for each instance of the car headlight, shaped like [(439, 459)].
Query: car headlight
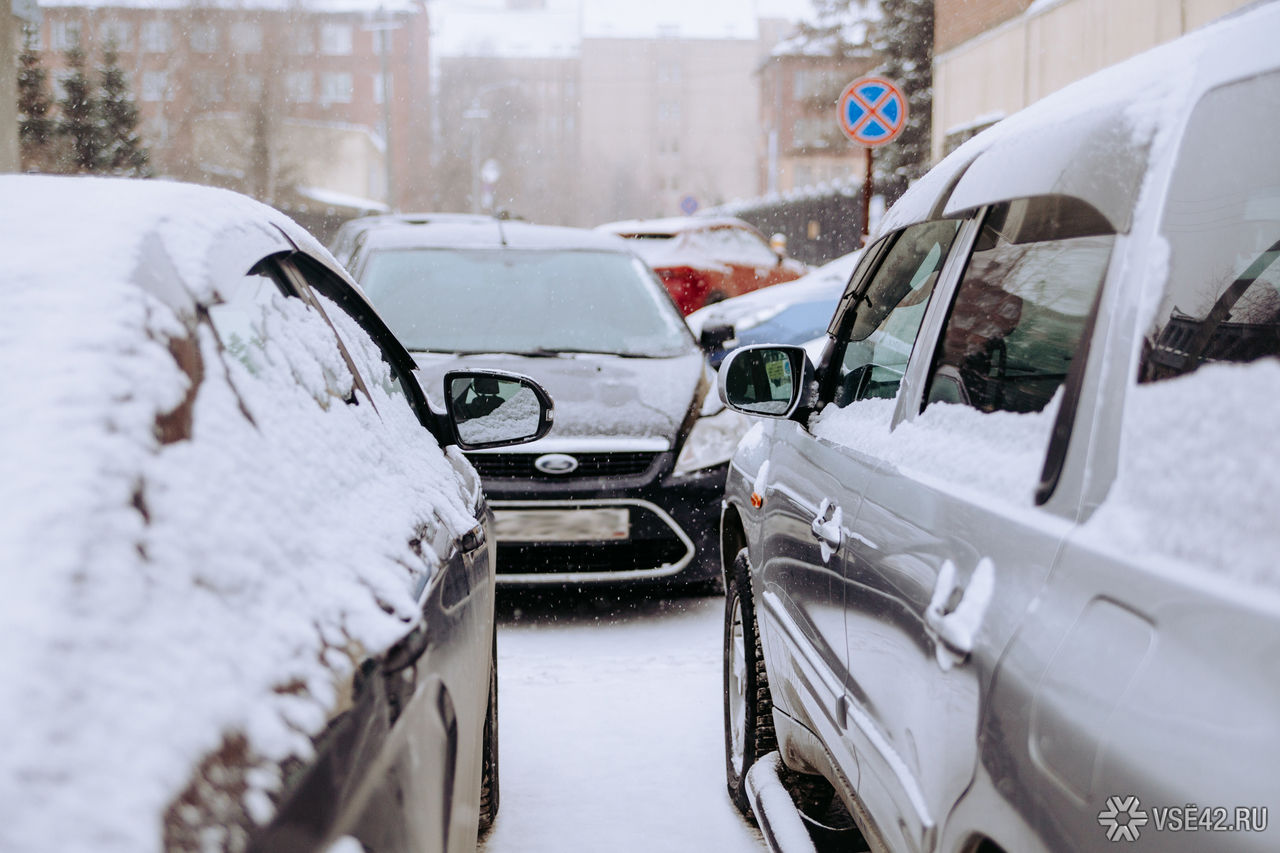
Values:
[(711, 441)]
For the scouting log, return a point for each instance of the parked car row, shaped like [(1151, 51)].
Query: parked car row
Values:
[(1000, 563)]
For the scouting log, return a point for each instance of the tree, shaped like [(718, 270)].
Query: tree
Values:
[(79, 125), (904, 38), (901, 33), (36, 129), (122, 150)]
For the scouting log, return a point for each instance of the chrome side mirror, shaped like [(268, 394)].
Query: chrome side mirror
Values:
[(765, 379)]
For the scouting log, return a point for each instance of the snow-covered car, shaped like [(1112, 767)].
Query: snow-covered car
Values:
[(249, 590), (795, 312), (1001, 569), (627, 485), (704, 259)]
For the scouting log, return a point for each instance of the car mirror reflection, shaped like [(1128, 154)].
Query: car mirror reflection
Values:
[(764, 380), (493, 408)]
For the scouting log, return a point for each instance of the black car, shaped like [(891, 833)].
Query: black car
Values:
[(627, 485), (249, 590)]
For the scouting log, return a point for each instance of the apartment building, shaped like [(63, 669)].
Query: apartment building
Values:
[(326, 102)]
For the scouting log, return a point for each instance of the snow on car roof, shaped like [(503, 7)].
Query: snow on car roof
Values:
[(162, 597), (495, 233), (671, 225)]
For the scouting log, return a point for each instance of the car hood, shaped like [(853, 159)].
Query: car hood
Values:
[(595, 395)]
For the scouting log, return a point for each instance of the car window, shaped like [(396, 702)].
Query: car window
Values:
[(528, 301), (744, 247), (1222, 222), (874, 343), (1022, 305), (259, 312)]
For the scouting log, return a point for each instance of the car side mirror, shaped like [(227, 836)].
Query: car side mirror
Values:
[(494, 408), (715, 335), (766, 380)]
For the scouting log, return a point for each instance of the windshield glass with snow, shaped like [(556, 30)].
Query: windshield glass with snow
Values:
[(536, 302)]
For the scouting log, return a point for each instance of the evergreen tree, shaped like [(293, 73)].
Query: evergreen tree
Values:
[(904, 39), (79, 125), (36, 130), (122, 150)]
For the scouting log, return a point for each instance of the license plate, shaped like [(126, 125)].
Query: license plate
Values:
[(562, 525)]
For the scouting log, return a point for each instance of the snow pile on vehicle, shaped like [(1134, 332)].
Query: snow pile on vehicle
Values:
[(997, 453), (1198, 480), (164, 599)]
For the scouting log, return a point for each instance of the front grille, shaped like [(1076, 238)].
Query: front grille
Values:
[(519, 466)]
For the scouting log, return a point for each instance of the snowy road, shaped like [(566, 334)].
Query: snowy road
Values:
[(610, 726)]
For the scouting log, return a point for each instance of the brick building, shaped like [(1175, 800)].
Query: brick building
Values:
[(285, 103)]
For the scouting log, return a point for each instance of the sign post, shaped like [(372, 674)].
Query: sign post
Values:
[(872, 111)]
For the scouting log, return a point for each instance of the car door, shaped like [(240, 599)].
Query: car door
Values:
[(425, 782), (811, 488), (950, 546)]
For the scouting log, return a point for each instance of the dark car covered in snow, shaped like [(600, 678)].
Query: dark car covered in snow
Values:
[(627, 485)]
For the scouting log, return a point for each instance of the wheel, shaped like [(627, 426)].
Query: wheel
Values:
[(489, 759), (748, 708), (714, 296)]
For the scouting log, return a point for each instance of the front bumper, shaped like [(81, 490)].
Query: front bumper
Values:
[(673, 535)]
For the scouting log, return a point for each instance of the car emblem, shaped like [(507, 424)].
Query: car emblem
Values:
[(556, 463)]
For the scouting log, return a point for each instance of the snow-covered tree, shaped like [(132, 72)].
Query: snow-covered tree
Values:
[(78, 124), (123, 152), (904, 38), (37, 138)]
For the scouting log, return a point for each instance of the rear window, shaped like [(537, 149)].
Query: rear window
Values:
[(1222, 223)]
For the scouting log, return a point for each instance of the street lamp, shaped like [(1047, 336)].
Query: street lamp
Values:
[(476, 113)]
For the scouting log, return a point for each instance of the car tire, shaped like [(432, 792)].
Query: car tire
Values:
[(715, 296), (489, 752), (748, 707)]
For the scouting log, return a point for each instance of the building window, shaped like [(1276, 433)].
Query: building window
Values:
[(156, 36), (246, 37), (155, 86), (251, 87), (379, 89), (336, 39), (304, 40), (335, 88), (208, 86), (298, 85), (64, 35), (118, 33), (203, 38)]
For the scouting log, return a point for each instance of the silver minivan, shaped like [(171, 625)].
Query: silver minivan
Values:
[(1002, 568)]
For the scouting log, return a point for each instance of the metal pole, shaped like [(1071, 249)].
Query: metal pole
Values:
[(385, 34), (866, 200)]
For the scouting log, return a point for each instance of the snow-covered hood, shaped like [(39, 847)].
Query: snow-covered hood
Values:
[(595, 396)]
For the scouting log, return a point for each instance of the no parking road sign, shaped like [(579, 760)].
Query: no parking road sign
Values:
[(872, 111)]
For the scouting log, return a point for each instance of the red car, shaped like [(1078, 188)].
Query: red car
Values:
[(703, 259)]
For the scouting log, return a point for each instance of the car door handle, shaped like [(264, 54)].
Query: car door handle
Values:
[(955, 626), (826, 527)]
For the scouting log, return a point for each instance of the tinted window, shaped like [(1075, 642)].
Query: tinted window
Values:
[(1022, 305), (873, 349), (511, 300), (1222, 221)]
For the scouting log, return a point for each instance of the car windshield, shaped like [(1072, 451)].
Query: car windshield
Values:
[(535, 302)]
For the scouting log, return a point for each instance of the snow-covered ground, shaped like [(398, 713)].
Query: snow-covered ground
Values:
[(610, 726)]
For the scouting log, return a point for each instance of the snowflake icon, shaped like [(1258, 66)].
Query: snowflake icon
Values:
[(1123, 818)]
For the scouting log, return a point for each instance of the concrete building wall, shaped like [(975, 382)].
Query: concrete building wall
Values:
[(1025, 54), (666, 119)]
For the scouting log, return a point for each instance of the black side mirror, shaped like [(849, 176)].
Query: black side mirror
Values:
[(493, 408), (715, 335)]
